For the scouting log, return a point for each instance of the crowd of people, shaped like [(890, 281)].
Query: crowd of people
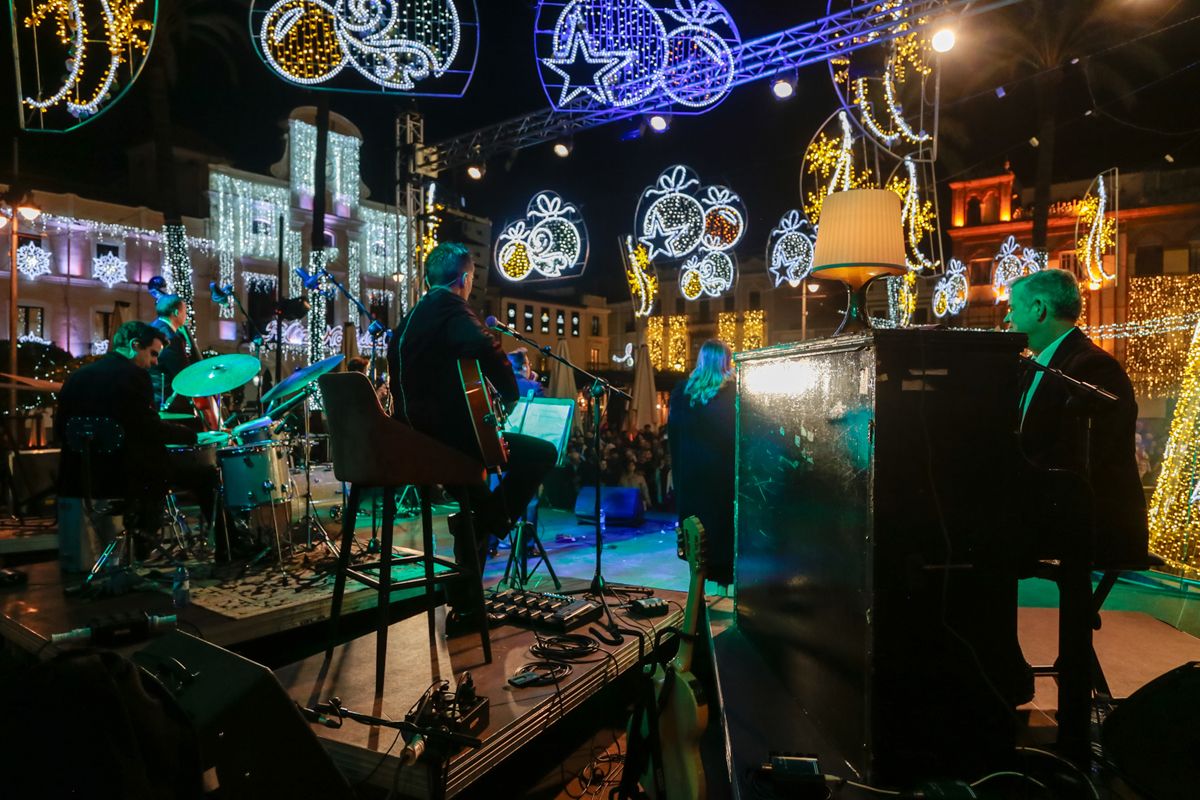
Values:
[(641, 461)]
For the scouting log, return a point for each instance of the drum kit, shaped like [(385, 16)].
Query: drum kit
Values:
[(254, 459)]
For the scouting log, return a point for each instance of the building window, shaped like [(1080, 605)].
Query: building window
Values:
[(596, 325), (705, 311), (974, 211), (560, 322), (679, 307), (755, 301), (574, 323), (730, 303), (261, 226), (1148, 261), (981, 272), (260, 302), (31, 320), (106, 249), (545, 320), (512, 314), (593, 357), (330, 239), (1194, 257), (529, 319), (381, 307)]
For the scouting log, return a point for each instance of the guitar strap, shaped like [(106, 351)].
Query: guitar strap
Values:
[(645, 748)]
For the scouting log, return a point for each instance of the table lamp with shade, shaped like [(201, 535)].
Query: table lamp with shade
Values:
[(860, 238)]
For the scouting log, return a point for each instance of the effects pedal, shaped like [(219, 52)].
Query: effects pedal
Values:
[(648, 607), (555, 612)]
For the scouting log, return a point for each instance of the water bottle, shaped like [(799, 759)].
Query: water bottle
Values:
[(603, 520), (181, 589)]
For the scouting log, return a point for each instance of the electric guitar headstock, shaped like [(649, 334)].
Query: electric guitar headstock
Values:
[(691, 545)]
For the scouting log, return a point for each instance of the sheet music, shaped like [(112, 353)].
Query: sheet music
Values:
[(545, 418)]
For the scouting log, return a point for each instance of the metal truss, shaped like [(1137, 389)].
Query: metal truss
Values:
[(837, 34)]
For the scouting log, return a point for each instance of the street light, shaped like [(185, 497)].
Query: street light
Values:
[(17, 205)]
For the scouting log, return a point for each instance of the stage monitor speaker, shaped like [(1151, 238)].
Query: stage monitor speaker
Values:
[(621, 505), (1152, 737), (36, 476), (253, 741)]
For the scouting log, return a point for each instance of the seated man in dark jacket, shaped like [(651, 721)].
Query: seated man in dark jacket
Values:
[(427, 393)]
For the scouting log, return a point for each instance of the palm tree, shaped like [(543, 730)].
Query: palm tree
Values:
[(1042, 39)]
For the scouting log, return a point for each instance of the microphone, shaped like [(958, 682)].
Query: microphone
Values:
[(494, 324), (219, 295), (116, 630), (311, 282)]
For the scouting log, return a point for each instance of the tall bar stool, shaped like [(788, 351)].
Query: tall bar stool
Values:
[(371, 450)]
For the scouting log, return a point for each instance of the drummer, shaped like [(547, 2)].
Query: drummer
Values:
[(118, 387)]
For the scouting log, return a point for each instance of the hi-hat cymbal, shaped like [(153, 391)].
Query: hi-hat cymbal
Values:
[(171, 415), (299, 379), (216, 375), (31, 384), (25, 387)]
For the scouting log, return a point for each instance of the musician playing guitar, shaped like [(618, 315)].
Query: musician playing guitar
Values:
[(180, 352), (440, 360)]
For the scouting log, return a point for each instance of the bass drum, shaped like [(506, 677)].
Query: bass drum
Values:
[(255, 475)]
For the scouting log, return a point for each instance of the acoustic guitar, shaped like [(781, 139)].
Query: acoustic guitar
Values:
[(680, 702), (487, 414)]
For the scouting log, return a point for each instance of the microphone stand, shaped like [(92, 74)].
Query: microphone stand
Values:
[(257, 341), (1075, 584), (600, 388)]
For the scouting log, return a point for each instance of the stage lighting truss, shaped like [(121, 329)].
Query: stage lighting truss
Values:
[(952, 290), (550, 242), (1096, 230), (81, 56), (407, 47), (1014, 261), (678, 219), (890, 87), (790, 250), (682, 54)]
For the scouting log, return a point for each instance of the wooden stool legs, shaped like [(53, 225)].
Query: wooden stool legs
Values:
[(349, 517)]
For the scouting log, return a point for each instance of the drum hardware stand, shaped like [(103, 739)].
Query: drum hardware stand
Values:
[(310, 520)]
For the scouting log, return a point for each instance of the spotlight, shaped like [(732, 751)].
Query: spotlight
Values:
[(1000, 92), (1170, 159), (563, 148), (814, 287), (659, 122), (943, 40), (476, 171), (1033, 141), (783, 87)]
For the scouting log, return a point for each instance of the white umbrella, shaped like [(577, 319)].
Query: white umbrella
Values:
[(642, 408)]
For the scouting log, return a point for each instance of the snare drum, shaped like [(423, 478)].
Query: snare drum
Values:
[(255, 475), (189, 457), (254, 431), (218, 438)]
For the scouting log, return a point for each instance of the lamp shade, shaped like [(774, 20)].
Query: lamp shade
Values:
[(860, 237)]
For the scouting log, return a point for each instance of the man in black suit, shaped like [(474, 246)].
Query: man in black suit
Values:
[(427, 393), (1054, 432), (178, 352), (118, 387)]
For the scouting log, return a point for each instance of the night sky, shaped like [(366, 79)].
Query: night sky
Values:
[(751, 142)]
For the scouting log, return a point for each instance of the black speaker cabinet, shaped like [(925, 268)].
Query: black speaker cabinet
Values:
[(877, 482), (253, 741)]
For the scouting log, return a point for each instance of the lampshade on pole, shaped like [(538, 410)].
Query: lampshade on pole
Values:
[(860, 238)]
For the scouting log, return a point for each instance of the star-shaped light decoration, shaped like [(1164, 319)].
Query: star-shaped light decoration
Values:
[(585, 70), (659, 240)]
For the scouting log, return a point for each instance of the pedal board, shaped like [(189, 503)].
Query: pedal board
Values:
[(555, 612)]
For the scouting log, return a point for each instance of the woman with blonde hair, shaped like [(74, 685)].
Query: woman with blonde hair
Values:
[(700, 428)]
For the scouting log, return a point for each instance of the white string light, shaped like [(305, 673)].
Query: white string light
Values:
[(790, 250), (550, 242), (33, 261), (109, 269)]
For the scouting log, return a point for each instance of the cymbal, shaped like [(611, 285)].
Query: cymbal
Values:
[(170, 415), (300, 378), (216, 375), (25, 387)]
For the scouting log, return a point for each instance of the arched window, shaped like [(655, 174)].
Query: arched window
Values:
[(974, 211)]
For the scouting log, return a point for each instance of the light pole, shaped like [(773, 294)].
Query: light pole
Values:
[(17, 206)]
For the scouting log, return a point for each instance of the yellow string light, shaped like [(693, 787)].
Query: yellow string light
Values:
[(727, 328), (654, 340), (639, 272), (677, 343), (754, 330), (1155, 360), (1174, 523)]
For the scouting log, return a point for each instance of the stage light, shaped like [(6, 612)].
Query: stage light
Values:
[(813, 288), (659, 123), (1033, 141), (563, 148), (476, 171), (943, 40), (1170, 159), (1000, 92), (783, 87)]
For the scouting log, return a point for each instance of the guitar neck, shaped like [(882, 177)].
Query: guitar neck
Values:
[(691, 620)]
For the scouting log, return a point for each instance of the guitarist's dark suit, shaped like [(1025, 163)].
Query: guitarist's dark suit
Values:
[(428, 394), (1052, 437)]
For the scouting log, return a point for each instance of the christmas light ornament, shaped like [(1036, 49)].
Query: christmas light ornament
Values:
[(411, 47), (1012, 262), (109, 269), (951, 291), (639, 274), (678, 219), (619, 53), (790, 250), (831, 164), (1096, 230), (33, 261), (550, 242), (82, 55)]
